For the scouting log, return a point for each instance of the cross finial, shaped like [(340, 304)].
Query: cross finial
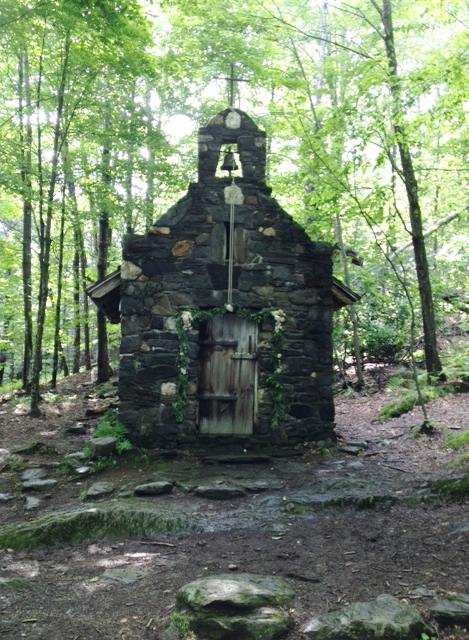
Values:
[(231, 84)]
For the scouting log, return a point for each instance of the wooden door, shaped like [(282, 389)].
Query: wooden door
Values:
[(228, 375)]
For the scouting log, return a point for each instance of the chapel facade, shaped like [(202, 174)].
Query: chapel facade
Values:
[(226, 310)]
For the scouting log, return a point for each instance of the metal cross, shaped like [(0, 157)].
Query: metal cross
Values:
[(231, 83)]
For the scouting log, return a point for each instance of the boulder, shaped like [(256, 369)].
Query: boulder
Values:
[(219, 491), (31, 502), (227, 606), (452, 610), (6, 497), (124, 576), (77, 429), (99, 490), (103, 447), (153, 488), (35, 473), (385, 618), (38, 485)]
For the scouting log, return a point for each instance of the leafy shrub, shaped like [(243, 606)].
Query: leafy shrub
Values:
[(109, 425), (457, 441), (454, 379)]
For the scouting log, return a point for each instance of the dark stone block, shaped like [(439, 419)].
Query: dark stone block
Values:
[(129, 344), (155, 374), (153, 267), (301, 411), (157, 322), (130, 306), (326, 412), (219, 275)]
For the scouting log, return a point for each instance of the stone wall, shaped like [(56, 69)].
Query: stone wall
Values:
[(180, 265)]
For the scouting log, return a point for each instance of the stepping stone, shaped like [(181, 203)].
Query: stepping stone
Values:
[(39, 484), (247, 458), (103, 447), (82, 471), (385, 618), (351, 449), (124, 576), (153, 488), (452, 610), (31, 502), (6, 497), (99, 490), (219, 491), (257, 486), (241, 605), (36, 473), (77, 429)]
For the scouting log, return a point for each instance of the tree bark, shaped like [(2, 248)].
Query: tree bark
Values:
[(57, 341), (150, 192), (26, 139), (129, 169), (432, 359), (104, 369), (70, 183), (351, 310), (45, 238)]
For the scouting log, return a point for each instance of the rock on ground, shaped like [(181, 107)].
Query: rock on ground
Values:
[(452, 610), (153, 488), (385, 618), (99, 490), (227, 606)]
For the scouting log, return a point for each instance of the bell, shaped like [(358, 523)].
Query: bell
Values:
[(229, 163)]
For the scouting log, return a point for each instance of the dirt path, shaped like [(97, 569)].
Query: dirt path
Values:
[(330, 556)]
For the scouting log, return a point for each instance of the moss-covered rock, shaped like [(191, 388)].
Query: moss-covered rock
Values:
[(454, 488), (452, 610), (385, 618), (241, 591), (228, 606), (115, 519)]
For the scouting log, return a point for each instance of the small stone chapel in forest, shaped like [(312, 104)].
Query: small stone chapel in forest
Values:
[(226, 310)]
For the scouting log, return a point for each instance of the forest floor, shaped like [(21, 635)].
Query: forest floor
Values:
[(331, 556)]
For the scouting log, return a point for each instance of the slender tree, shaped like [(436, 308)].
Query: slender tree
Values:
[(432, 359), (104, 369), (26, 141), (45, 237)]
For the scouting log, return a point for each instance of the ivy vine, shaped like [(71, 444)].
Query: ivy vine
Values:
[(184, 323)]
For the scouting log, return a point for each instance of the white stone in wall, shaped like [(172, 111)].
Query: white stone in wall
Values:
[(168, 389), (233, 195), (129, 270), (269, 232), (170, 323), (233, 120)]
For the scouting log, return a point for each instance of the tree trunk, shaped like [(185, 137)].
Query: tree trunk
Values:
[(351, 310), (57, 342), (26, 138), (69, 181), (150, 192), (104, 369), (82, 259), (129, 169), (76, 305), (45, 238), (432, 359)]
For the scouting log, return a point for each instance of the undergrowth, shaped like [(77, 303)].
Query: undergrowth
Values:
[(109, 425), (457, 441), (453, 379)]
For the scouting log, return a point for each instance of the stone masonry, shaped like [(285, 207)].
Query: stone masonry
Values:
[(181, 264)]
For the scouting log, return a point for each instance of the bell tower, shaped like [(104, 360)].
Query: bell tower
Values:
[(232, 127)]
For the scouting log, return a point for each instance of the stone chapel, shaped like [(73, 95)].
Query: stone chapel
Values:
[(226, 310)]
